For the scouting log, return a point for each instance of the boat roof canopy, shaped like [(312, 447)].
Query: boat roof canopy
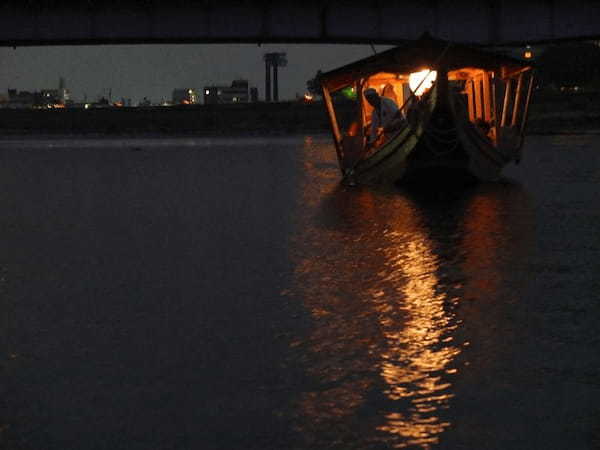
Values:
[(426, 52)]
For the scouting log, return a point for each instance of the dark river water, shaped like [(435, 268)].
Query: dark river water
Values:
[(225, 294)]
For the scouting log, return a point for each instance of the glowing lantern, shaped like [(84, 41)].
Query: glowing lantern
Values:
[(421, 81), (349, 92)]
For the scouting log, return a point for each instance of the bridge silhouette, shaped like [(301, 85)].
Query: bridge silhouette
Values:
[(485, 22)]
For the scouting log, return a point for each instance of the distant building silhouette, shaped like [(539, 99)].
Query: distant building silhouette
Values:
[(22, 99), (187, 96), (45, 98), (236, 93), (63, 93)]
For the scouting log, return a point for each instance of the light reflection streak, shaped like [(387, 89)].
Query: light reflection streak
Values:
[(419, 352), (381, 277)]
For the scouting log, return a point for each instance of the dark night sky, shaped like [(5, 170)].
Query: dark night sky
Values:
[(135, 71)]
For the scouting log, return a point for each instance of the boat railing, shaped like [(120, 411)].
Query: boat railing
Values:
[(515, 109)]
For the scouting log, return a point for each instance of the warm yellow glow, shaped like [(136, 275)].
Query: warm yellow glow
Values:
[(528, 54), (390, 333), (420, 82), (415, 355)]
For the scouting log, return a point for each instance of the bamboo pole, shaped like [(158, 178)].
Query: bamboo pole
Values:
[(506, 103), (335, 129), (478, 106), (527, 101), (470, 99), (518, 96), (514, 73), (361, 107), (495, 100), (494, 106), (487, 101)]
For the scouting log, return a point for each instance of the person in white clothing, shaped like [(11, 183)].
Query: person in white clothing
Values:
[(385, 114)]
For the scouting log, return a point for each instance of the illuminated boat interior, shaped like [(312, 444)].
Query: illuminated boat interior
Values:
[(494, 91)]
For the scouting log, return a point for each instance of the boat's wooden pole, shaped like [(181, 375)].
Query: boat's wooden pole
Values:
[(507, 94), (494, 118), (361, 114), (518, 96), (477, 81), (335, 129), (471, 99), (487, 98), (516, 72), (527, 101)]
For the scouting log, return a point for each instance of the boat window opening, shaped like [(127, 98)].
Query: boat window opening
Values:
[(393, 86), (345, 103), (479, 96), (514, 95), (346, 116)]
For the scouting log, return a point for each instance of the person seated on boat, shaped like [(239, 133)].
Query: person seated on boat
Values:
[(386, 116), (389, 92)]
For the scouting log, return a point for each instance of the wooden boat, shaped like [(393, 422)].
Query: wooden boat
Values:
[(469, 123)]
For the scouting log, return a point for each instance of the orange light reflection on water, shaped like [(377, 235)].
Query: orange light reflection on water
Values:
[(418, 352), (380, 352)]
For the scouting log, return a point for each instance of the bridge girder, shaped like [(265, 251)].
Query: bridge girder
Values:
[(486, 22)]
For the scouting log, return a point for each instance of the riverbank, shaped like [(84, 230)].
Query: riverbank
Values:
[(247, 119), (550, 113)]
